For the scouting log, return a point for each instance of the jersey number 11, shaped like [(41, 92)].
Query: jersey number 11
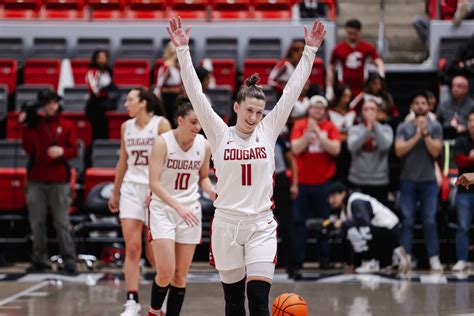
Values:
[(246, 174)]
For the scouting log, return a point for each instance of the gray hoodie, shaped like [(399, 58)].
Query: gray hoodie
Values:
[(369, 154)]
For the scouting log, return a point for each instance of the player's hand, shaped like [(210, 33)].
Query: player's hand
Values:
[(316, 36), (113, 203), (187, 215), (55, 152), (465, 180), (178, 36)]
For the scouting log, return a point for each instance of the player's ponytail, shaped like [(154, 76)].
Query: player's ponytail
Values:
[(153, 103), (251, 89), (183, 107)]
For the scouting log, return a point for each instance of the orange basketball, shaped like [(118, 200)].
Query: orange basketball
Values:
[(289, 304)]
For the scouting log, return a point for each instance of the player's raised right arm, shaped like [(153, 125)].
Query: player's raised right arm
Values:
[(210, 121)]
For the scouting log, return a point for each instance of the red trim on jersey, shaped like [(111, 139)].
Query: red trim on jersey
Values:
[(212, 262), (276, 233), (273, 191)]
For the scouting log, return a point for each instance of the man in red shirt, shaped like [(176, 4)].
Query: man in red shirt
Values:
[(50, 142), (349, 58), (316, 142)]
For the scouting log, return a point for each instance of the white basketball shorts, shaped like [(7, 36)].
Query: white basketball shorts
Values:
[(133, 198), (238, 241), (165, 223)]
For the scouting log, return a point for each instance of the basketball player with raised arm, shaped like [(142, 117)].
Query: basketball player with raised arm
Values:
[(243, 241), (179, 165), (130, 190)]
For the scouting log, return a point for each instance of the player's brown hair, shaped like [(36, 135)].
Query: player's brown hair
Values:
[(251, 89)]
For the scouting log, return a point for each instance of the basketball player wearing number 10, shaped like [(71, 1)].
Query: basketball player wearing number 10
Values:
[(243, 241), (130, 190)]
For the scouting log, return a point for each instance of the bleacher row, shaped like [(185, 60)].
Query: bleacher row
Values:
[(151, 9)]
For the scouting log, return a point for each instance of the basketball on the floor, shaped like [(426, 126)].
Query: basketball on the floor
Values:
[(289, 304)]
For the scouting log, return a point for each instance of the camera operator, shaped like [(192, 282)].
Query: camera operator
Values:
[(371, 228), (50, 141)]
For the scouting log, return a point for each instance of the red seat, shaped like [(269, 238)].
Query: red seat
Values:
[(82, 124), (273, 9), (132, 72), (13, 126), (332, 8), (64, 10), (8, 73), (261, 66), (317, 73), (147, 9), (42, 71), (13, 188), (94, 176), (25, 9), (224, 72), (189, 9), (231, 9), (106, 9), (115, 120), (158, 63), (79, 70)]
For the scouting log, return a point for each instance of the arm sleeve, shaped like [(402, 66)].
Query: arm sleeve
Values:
[(361, 212), (274, 122), (383, 136), (373, 53), (211, 123), (401, 132), (28, 140), (356, 138)]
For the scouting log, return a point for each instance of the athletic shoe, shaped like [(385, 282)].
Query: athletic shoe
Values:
[(435, 265), (401, 259), (371, 266), (461, 266), (132, 308)]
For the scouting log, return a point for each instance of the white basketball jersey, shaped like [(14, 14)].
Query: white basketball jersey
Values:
[(244, 170), (138, 144), (180, 175)]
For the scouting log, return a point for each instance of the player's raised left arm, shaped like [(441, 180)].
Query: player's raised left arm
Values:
[(277, 118)]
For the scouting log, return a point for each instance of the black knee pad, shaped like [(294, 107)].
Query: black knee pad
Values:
[(234, 295), (257, 292)]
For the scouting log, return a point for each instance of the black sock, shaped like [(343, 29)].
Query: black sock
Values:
[(132, 295), (257, 292), (158, 295), (175, 300), (234, 294)]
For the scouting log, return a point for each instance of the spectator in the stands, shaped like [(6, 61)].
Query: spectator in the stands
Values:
[(50, 141), (349, 59), (463, 65), (432, 105), (103, 94), (315, 141), (168, 82), (418, 144), (340, 113), (453, 113), (375, 89), (369, 144), (464, 157), (284, 68), (464, 10), (311, 9)]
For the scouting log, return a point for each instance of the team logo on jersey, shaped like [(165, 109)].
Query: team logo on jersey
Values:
[(245, 153)]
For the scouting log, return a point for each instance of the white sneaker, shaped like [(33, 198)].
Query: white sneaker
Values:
[(371, 266), (401, 259), (132, 308), (460, 266), (435, 265)]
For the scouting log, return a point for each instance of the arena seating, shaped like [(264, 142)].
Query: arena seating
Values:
[(3, 101), (42, 71), (224, 70), (261, 66), (12, 47), (64, 10), (86, 46), (79, 70), (9, 73), (45, 47), (221, 98), (133, 72)]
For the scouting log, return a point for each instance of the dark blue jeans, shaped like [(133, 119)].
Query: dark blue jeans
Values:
[(312, 202), (426, 193), (465, 210)]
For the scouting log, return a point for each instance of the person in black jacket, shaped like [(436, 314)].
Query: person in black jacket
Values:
[(371, 228)]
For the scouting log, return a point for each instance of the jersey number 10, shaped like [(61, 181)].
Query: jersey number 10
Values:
[(182, 181), (246, 174)]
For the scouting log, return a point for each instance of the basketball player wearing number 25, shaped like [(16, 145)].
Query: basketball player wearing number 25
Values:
[(243, 241)]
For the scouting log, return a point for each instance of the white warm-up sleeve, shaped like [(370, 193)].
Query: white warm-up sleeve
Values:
[(274, 122), (211, 123)]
